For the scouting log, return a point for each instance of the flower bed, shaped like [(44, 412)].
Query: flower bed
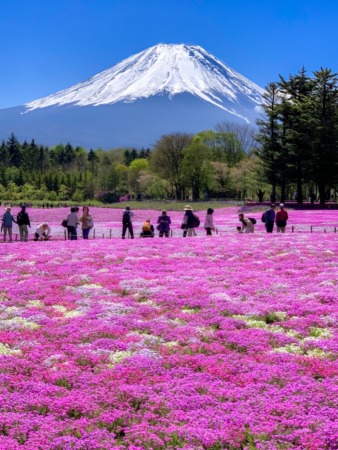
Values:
[(221, 343), (108, 222)]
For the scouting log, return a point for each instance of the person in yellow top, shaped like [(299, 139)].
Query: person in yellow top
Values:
[(86, 222)]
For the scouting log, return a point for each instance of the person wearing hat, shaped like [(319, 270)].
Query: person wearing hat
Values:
[(281, 219), (163, 224), (268, 218), (147, 229), (190, 222), (23, 222), (7, 224)]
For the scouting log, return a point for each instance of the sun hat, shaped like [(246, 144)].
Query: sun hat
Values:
[(281, 205), (187, 208)]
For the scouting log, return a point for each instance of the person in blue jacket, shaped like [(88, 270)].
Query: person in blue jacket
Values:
[(269, 218), (7, 224)]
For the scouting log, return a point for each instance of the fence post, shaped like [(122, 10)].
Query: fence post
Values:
[(335, 229), (94, 234), (292, 228), (110, 233), (311, 228), (171, 233)]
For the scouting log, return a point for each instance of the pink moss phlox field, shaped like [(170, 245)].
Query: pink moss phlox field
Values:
[(228, 342)]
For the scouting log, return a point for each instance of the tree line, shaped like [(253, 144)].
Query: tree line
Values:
[(298, 135), (217, 163), (294, 149)]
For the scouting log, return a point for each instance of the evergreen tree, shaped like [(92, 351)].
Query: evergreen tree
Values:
[(14, 151), (324, 123), (270, 136)]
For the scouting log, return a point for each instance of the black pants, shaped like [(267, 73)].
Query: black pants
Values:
[(129, 227), (269, 227), (163, 233), (208, 231)]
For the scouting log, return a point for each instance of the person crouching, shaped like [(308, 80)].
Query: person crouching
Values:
[(147, 230), (42, 232), (247, 225)]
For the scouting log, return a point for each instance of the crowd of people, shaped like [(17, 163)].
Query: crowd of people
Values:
[(190, 222)]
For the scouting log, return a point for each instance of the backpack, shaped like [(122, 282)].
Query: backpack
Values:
[(252, 220), (146, 226), (263, 217), (20, 218), (195, 221), (126, 218)]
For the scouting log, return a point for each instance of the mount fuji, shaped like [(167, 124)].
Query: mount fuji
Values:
[(166, 88)]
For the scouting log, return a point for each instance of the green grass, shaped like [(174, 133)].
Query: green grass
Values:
[(174, 206)]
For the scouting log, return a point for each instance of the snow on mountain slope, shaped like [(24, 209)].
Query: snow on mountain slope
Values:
[(165, 69)]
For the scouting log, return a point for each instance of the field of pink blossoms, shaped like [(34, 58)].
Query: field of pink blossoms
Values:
[(228, 342)]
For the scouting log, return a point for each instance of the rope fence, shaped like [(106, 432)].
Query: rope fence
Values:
[(113, 233)]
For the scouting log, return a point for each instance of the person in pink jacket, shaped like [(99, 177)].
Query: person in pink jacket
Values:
[(209, 221)]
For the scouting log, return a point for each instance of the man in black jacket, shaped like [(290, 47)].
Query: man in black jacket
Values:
[(23, 223)]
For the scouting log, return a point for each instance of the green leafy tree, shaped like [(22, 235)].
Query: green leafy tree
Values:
[(196, 168), (166, 160)]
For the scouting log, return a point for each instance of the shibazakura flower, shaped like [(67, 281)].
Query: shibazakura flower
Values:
[(178, 343)]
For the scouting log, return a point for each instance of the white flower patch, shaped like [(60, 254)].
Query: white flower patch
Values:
[(6, 350), (59, 308), (35, 304), (17, 323), (116, 357), (72, 314), (91, 286)]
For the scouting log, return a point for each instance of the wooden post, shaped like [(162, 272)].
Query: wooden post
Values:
[(311, 228), (94, 234), (335, 229), (110, 231), (292, 228)]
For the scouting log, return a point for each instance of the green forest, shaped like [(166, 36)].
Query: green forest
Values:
[(294, 148)]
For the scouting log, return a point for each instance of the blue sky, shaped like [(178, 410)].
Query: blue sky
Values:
[(49, 45)]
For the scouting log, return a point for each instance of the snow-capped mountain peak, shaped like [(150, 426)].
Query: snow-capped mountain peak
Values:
[(165, 69)]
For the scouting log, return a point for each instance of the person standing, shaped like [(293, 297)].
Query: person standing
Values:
[(86, 222), (23, 222), (281, 219), (72, 222), (164, 222), (127, 222), (7, 224), (269, 218), (190, 222), (209, 221)]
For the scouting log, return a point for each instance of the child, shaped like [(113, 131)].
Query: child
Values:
[(209, 221)]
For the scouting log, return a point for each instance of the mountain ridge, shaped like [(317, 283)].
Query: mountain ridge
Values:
[(165, 88)]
